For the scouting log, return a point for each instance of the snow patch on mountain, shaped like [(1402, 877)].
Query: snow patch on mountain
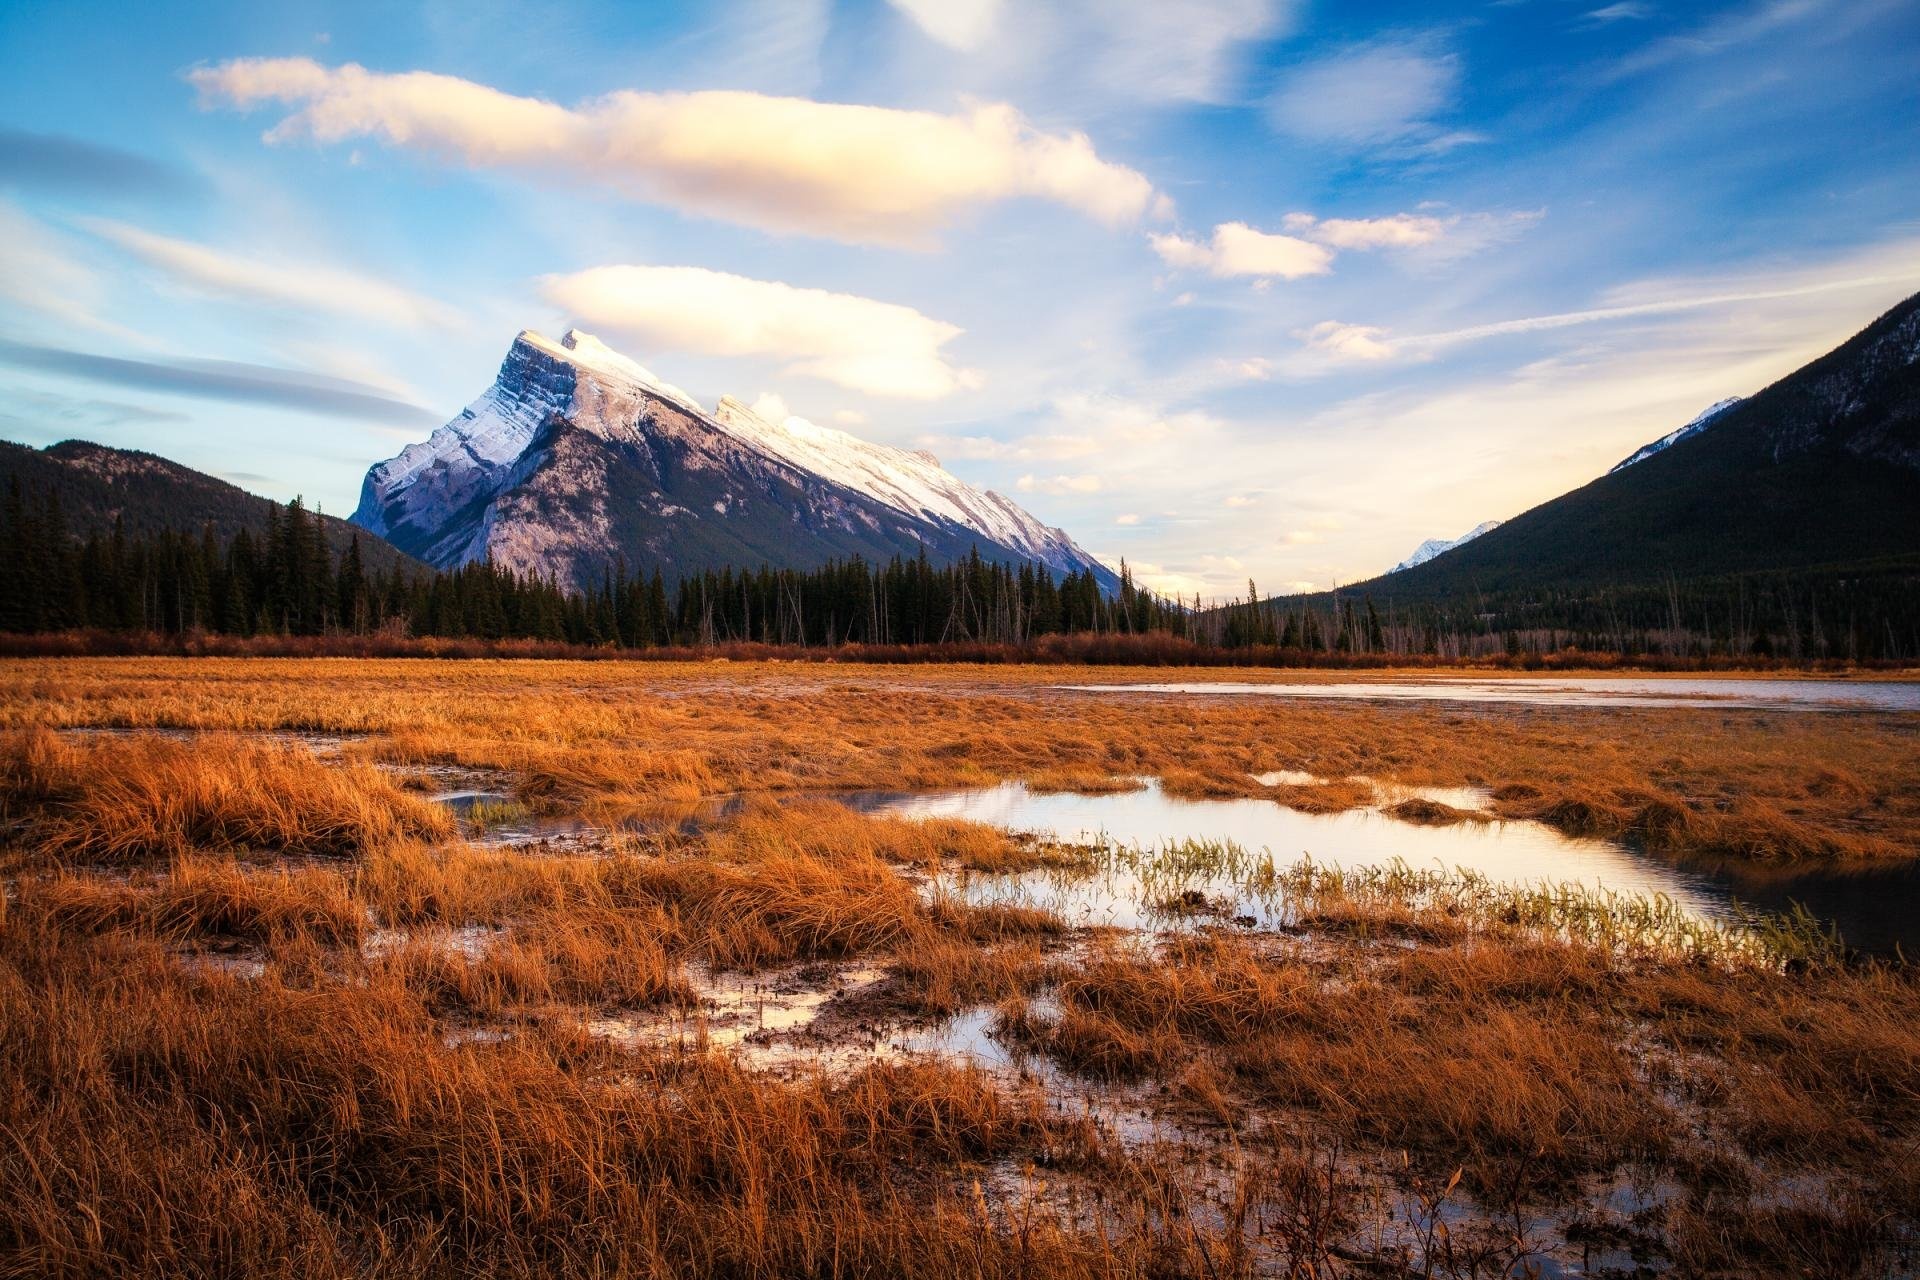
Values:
[(910, 482), (1440, 546), (442, 496), (1667, 441)]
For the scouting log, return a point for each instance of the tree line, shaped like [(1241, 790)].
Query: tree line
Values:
[(285, 581)]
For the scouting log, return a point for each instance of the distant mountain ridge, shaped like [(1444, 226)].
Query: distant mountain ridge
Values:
[(149, 494), (1700, 423), (1705, 418), (1440, 546), (1821, 470), (577, 458)]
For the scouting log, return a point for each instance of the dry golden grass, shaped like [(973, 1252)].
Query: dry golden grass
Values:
[(392, 1073), (1751, 784), (125, 800)]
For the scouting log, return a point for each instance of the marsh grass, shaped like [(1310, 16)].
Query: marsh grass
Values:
[(139, 799), (403, 1079), (1748, 784)]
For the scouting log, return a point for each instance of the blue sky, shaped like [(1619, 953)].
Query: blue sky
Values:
[(1242, 288)]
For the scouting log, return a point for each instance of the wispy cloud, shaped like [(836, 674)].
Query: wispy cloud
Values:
[(58, 163), (1059, 484), (1348, 341), (1725, 30), (881, 348), (42, 273), (1399, 231), (1388, 94), (856, 173), (959, 24), (36, 410), (1142, 50), (1623, 11), (224, 380), (1034, 448), (1366, 342), (300, 285)]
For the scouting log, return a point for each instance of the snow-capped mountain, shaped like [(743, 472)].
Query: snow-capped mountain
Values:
[(577, 457), (913, 482), (1667, 441), (1440, 546)]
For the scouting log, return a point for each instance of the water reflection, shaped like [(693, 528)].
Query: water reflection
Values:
[(1578, 691), (1507, 852)]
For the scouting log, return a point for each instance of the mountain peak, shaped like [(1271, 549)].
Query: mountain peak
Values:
[(578, 455), (1440, 546), (583, 350)]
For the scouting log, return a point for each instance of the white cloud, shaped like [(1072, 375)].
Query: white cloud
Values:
[(1033, 448), (881, 348), (1348, 341), (1401, 231), (958, 24), (1129, 518), (305, 286), (1239, 250), (1241, 500), (849, 417), (1303, 537), (855, 173), (771, 406), (1378, 95), (1058, 484)]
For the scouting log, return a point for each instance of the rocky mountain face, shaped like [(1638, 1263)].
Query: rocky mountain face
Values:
[(1820, 471), (577, 458)]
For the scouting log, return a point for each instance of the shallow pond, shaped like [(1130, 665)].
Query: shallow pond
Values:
[(1873, 909), (1737, 693)]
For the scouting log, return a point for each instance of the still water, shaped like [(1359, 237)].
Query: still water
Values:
[(1579, 691), (1874, 910)]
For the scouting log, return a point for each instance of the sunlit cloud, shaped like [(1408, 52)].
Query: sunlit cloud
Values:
[(1348, 341), (1400, 231), (1239, 250), (958, 24), (856, 173), (304, 286), (881, 348), (1058, 484), (1033, 448)]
